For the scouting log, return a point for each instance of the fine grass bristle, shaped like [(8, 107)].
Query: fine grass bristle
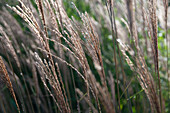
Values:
[(5, 77)]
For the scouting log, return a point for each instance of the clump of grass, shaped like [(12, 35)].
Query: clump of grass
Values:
[(65, 65)]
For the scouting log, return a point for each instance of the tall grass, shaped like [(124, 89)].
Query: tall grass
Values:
[(90, 62)]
